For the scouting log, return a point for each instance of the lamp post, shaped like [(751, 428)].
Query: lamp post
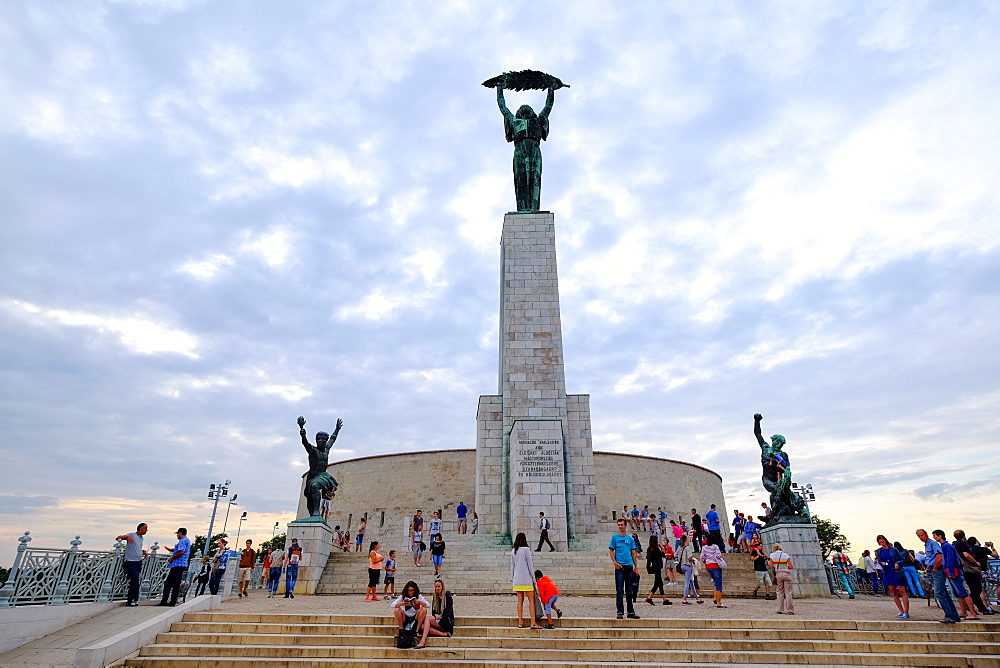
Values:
[(215, 492), (243, 518), (274, 530), (806, 492), (232, 502)]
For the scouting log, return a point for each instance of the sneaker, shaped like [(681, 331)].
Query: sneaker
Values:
[(905, 616), (619, 616), (240, 595), (632, 615), (900, 615), (548, 626), (558, 614), (851, 597), (132, 604), (666, 602), (368, 599)]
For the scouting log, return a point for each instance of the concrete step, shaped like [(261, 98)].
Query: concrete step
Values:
[(578, 629), (240, 639)]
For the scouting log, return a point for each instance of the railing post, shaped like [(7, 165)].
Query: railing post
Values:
[(68, 562), (7, 591), (108, 585), (148, 565)]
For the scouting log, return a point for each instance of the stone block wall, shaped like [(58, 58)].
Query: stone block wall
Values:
[(676, 486), (490, 474)]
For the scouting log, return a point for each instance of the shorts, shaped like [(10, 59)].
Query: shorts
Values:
[(415, 548), (373, 576), (389, 580), (324, 504), (245, 574), (523, 588), (462, 523), (748, 537), (360, 540), (551, 604), (438, 559), (763, 579), (958, 586)]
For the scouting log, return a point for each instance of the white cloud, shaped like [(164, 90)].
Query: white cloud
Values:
[(273, 247), (138, 333), (208, 267)]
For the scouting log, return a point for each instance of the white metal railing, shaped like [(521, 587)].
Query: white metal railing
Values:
[(53, 576)]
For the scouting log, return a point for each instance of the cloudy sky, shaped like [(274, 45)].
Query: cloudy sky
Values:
[(216, 217)]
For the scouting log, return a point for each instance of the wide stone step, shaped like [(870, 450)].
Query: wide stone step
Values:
[(436, 654), (412, 659), (555, 640), (762, 624), (566, 629)]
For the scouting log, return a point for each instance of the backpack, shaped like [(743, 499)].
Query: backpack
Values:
[(407, 636)]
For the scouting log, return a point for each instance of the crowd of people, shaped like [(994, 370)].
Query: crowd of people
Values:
[(895, 570), (676, 553)]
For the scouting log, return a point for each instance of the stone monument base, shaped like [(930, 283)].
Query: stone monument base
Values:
[(315, 539), (802, 542)]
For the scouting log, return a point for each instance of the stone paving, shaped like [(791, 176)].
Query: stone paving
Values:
[(59, 648)]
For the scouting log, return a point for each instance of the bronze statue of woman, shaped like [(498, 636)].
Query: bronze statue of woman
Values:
[(526, 129)]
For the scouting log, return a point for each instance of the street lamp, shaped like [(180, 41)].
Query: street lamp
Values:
[(274, 530), (232, 502), (215, 492), (806, 492), (243, 518)]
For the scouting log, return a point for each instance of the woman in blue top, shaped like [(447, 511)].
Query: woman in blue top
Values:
[(892, 574)]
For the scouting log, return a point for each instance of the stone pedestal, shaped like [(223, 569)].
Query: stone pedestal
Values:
[(315, 538), (802, 542), (532, 416)]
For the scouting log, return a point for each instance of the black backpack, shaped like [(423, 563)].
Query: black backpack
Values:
[(407, 636)]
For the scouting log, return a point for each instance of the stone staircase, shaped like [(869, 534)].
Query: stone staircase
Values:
[(241, 639), (481, 565)]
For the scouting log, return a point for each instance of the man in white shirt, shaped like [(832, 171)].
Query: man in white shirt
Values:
[(543, 533)]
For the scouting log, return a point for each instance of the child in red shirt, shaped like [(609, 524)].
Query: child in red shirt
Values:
[(549, 594)]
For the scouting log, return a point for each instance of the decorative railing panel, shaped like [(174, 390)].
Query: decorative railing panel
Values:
[(51, 576)]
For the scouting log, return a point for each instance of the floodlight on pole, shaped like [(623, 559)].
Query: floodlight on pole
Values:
[(243, 518), (215, 492)]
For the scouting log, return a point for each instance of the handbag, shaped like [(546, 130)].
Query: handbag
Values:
[(969, 567), (952, 573), (722, 563)]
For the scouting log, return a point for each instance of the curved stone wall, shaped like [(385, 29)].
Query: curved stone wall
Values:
[(389, 488)]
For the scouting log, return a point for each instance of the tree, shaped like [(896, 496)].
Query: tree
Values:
[(278, 542), (199, 542), (830, 536), (4, 574)]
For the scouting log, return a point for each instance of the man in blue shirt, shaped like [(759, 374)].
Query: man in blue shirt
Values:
[(623, 556), (933, 560), (178, 563), (462, 511), (714, 528)]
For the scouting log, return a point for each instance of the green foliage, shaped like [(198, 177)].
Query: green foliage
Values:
[(273, 544), (199, 542), (830, 536), (4, 574)]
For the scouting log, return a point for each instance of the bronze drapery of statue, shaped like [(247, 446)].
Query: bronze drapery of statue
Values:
[(318, 481), (787, 507)]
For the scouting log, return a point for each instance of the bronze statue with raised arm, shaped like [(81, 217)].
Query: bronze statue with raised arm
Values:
[(787, 507), (318, 481), (526, 129)]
